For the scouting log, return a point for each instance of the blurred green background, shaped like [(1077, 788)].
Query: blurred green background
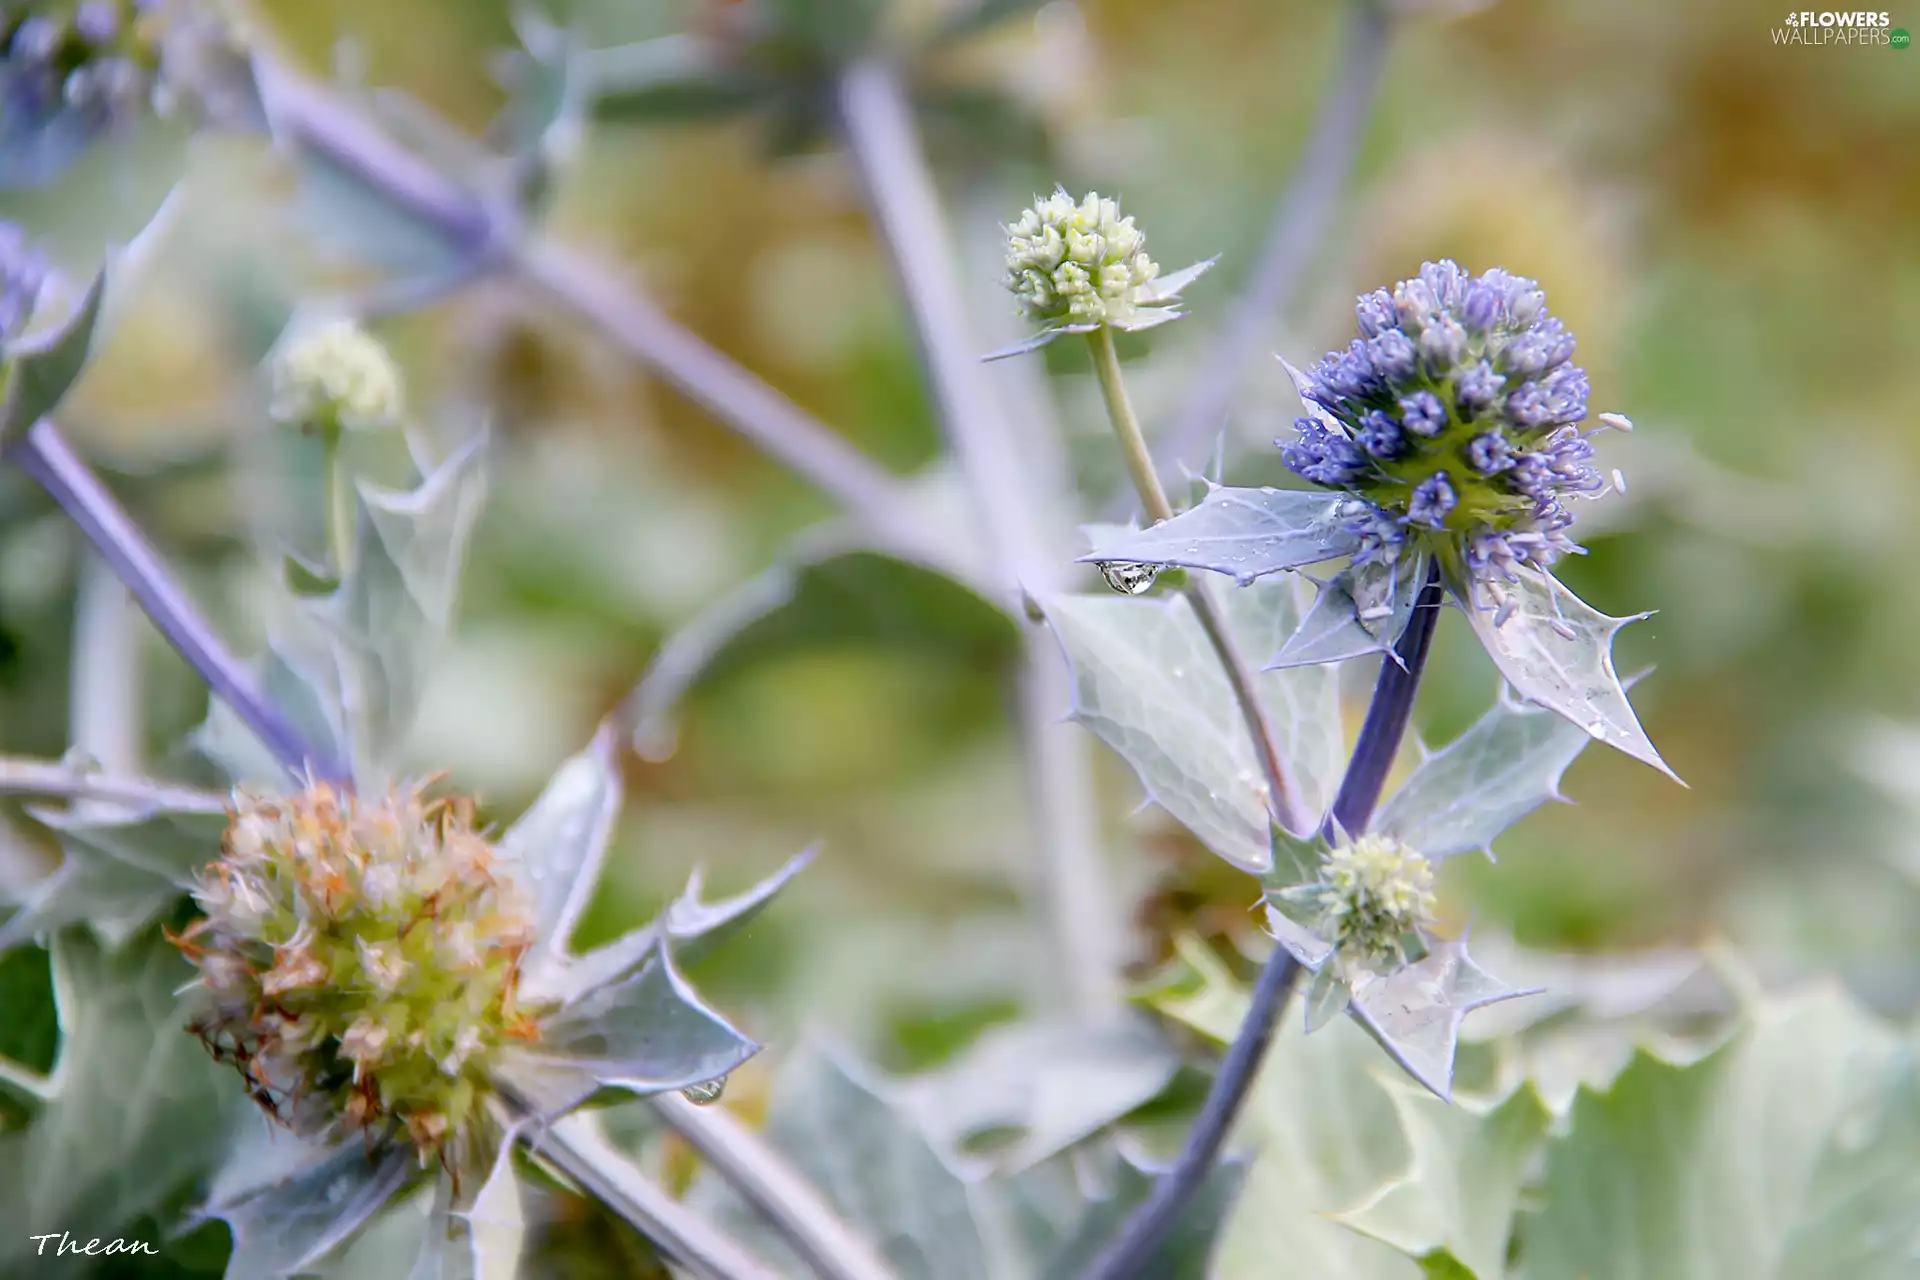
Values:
[(1728, 225)]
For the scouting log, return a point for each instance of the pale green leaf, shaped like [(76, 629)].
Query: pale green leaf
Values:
[(648, 1033), (690, 926), (1498, 771), (290, 1224), (39, 373), (556, 848), (1051, 1084), (1245, 533), (1858, 1217), (1556, 650), (117, 874), (138, 1110), (1452, 1207), (1415, 1012), (1324, 1134), (1709, 1170), (1150, 685), (385, 624), (873, 1164), (1360, 610)]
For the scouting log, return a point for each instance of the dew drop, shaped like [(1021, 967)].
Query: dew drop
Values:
[(1128, 577), (706, 1093)]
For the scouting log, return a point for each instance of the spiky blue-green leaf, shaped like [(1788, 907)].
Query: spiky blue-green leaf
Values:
[(1464, 795), (135, 1112), (116, 874), (690, 925), (1245, 533), (1415, 1012), (648, 1033), (1148, 682), (1360, 610), (286, 1226), (556, 848), (1557, 650)]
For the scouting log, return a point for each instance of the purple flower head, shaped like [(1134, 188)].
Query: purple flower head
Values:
[(1459, 402)]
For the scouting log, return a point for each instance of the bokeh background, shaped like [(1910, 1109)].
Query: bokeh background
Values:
[(1727, 224)]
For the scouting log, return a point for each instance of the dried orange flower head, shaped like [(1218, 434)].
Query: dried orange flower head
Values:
[(361, 958)]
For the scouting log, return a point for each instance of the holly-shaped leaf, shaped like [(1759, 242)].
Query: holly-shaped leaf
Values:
[(1148, 682), (1556, 650), (1787, 1152), (1245, 533), (1415, 1012), (117, 874), (136, 1111), (690, 925), (1453, 1205), (1502, 768), (1362, 609), (648, 1033)]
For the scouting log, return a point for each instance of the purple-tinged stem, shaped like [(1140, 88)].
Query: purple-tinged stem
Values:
[(44, 455), (1386, 724)]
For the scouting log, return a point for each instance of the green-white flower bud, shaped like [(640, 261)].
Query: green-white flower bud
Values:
[(1080, 267), (1371, 894), (1077, 264), (335, 376), (324, 953)]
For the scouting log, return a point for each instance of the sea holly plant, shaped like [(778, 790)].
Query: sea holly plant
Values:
[(389, 981), (1446, 442)]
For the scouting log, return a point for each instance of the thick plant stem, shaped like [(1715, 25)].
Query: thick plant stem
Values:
[(483, 237), (343, 513), (774, 1188), (577, 1147), (1387, 715), (1283, 800), (1386, 724), (1147, 1229), (1009, 500), (1299, 220), (44, 455), (63, 781)]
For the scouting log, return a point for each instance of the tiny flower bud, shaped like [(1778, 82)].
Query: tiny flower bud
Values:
[(335, 376)]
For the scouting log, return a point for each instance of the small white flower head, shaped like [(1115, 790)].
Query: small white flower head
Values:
[(335, 376), (1372, 893), (1079, 266)]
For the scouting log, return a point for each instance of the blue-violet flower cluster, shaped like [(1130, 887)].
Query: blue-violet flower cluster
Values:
[(1454, 416)]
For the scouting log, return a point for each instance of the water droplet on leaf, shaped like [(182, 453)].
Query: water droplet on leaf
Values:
[(1127, 576), (706, 1093)]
